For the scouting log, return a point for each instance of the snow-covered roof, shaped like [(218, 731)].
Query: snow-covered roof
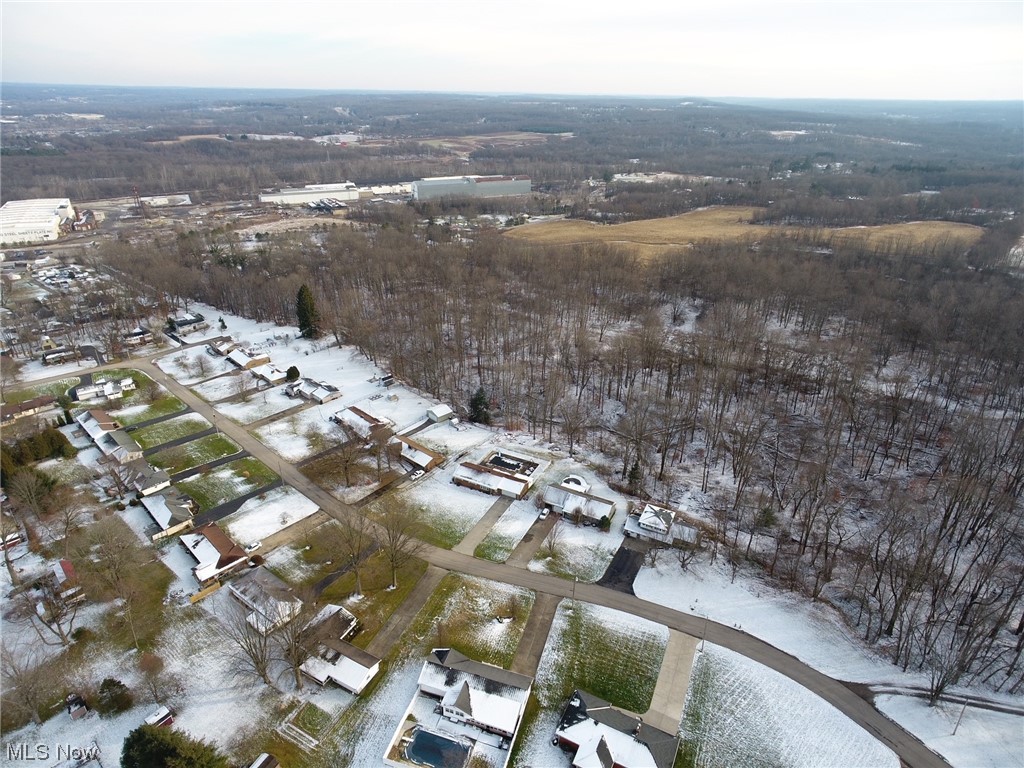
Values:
[(417, 453), (352, 668), (212, 550), (167, 510), (272, 601), (244, 358), (604, 736), (478, 477), (359, 421), (269, 373), (569, 498)]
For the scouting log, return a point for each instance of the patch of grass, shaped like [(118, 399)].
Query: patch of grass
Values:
[(461, 613), (148, 613), (56, 388), (443, 531), (166, 431), (194, 453), (312, 719), (378, 602), (162, 406), (495, 548), (228, 482), (620, 667)]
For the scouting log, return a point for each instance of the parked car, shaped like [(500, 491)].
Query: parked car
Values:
[(543, 514), (417, 474), (250, 548)]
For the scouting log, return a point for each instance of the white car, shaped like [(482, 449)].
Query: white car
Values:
[(417, 474), (250, 548), (543, 514)]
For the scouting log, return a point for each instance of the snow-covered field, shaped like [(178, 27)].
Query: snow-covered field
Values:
[(258, 518), (448, 507), (506, 534), (582, 551), (742, 713), (301, 434), (815, 634)]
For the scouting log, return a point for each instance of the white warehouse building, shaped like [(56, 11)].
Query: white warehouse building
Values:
[(312, 193), (470, 186), (33, 221)]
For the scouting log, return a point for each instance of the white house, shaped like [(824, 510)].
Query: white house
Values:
[(172, 512), (653, 523), (332, 658), (599, 735), (271, 601), (247, 358), (314, 391), (440, 412), (111, 390), (416, 453), (213, 552), (147, 480), (482, 695), (270, 374), (570, 498)]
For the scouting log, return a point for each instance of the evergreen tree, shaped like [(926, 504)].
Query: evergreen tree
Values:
[(479, 410), (309, 318), (292, 374), (151, 747)]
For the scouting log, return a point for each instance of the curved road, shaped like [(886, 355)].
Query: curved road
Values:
[(909, 749)]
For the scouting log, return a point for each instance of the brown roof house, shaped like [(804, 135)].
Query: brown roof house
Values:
[(213, 551)]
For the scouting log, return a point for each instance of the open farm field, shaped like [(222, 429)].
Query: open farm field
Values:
[(732, 224)]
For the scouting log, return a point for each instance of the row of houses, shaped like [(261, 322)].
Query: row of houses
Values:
[(108, 435)]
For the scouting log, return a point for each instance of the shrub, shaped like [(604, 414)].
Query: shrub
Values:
[(113, 697)]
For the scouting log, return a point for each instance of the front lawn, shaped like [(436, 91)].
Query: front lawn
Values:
[(172, 429), (217, 486), (194, 453)]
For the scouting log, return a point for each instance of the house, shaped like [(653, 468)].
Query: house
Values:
[(146, 479), (172, 512), (111, 390), (265, 760), (599, 735), (96, 423), (659, 524), (137, 337), (501, 473), (270, 374), (570, 498), (120, 446), (247, 359), (440, 413), (272, 603), (213, 552), (26, 408), (481, 695), (331, 657), (65, 583), (221, 347), (361, 423), (46, 344), (416, 453), (187, 322), (314, 391)]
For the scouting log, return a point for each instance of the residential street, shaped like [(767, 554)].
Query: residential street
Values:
[(912, 752)]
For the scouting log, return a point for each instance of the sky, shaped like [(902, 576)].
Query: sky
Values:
[(715, 48)]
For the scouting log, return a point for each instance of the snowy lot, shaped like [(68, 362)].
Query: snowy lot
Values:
[(582, 551), (450, 509), (302, 434), (816, 635), (258, 518), (742, 713), (451, 440), (506, 534)]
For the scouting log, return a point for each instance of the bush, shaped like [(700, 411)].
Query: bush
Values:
[(292, 374), (113, 697)]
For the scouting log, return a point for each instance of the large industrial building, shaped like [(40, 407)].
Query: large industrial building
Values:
[(312, 193), (470, 186), (34, 221)]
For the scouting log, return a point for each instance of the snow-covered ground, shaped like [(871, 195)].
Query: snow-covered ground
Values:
[(816, 635), (743, 713), (301, 434), (582, 551), (259, 517), (506, 534), (449, 507)]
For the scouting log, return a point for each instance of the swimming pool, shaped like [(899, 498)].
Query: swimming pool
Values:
[(432, 749)]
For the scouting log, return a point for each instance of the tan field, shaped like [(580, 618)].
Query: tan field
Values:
[(464, 145), (653, 236)]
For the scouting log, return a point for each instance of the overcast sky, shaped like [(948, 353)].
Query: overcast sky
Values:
[(758, 48)]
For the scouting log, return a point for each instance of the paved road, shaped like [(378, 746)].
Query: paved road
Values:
[(912, 752)]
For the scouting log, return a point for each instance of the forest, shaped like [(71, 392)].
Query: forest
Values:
[(852, 412)]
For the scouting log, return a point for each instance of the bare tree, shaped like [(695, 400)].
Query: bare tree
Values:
[(30, 680), (400, 527), (251, 650), (356, 543), (553, 541)]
